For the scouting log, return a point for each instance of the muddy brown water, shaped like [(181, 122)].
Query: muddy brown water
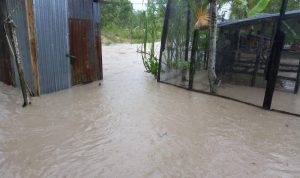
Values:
[(131, 126)]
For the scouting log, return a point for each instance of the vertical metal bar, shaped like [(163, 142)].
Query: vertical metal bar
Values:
[(297, 80), (187, 37), (164, 37), (193, 55), (274, 62)]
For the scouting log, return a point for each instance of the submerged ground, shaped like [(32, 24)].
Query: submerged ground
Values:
[(132, 126)]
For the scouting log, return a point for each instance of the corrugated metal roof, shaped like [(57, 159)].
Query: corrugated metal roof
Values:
[(258, 18), (51, 23)]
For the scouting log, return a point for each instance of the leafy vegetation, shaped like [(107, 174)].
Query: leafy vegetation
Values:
[(250, 8), (121, 23)]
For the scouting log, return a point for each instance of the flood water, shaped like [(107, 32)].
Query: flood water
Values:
[(131, 126)]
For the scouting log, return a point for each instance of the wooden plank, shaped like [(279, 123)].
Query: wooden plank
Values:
[(32, 44)]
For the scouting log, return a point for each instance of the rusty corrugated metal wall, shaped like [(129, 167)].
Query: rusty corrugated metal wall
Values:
[(51, 27), (89, 10)]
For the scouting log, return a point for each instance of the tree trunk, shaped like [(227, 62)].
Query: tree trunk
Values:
[(212, 47)]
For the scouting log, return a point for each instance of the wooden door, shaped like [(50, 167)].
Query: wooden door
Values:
[(82, 70)]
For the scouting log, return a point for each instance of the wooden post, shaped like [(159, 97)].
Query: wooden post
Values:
[(16, 53), (32, 44)]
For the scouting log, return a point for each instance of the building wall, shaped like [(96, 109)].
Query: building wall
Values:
[(51, 25)]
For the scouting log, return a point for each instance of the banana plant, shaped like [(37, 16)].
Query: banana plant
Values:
[(258, 8)]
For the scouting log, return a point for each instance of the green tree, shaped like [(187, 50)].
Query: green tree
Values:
[(116, 12)]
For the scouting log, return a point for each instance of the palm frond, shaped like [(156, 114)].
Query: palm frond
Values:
[(202, 18)]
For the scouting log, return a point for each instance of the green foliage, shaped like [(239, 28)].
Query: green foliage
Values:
[(117, 12), (121, 23), (151, 64), (152, 27), (250, 8), (259, 7)]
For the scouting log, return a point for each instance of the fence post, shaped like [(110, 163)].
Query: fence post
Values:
[(274, 62), (164, 38), (193, 56)]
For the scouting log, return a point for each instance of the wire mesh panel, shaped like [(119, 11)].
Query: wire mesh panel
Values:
[(175, 60), (242, 57), (286, 96), (200, 61)]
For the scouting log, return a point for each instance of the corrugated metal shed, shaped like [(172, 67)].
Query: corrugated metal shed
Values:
[(43, 32), (52, 44), (17, 10)]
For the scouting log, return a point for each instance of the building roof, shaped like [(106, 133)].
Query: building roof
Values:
[(258, 18)]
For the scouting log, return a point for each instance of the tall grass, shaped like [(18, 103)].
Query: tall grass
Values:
[(151, 34)]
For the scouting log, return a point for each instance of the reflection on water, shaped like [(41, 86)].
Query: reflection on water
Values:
[(133, 127)]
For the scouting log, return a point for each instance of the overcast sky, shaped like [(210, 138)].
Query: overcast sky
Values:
[(138, 4)]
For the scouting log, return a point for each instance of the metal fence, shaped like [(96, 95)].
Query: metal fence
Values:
[(257, 61)]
